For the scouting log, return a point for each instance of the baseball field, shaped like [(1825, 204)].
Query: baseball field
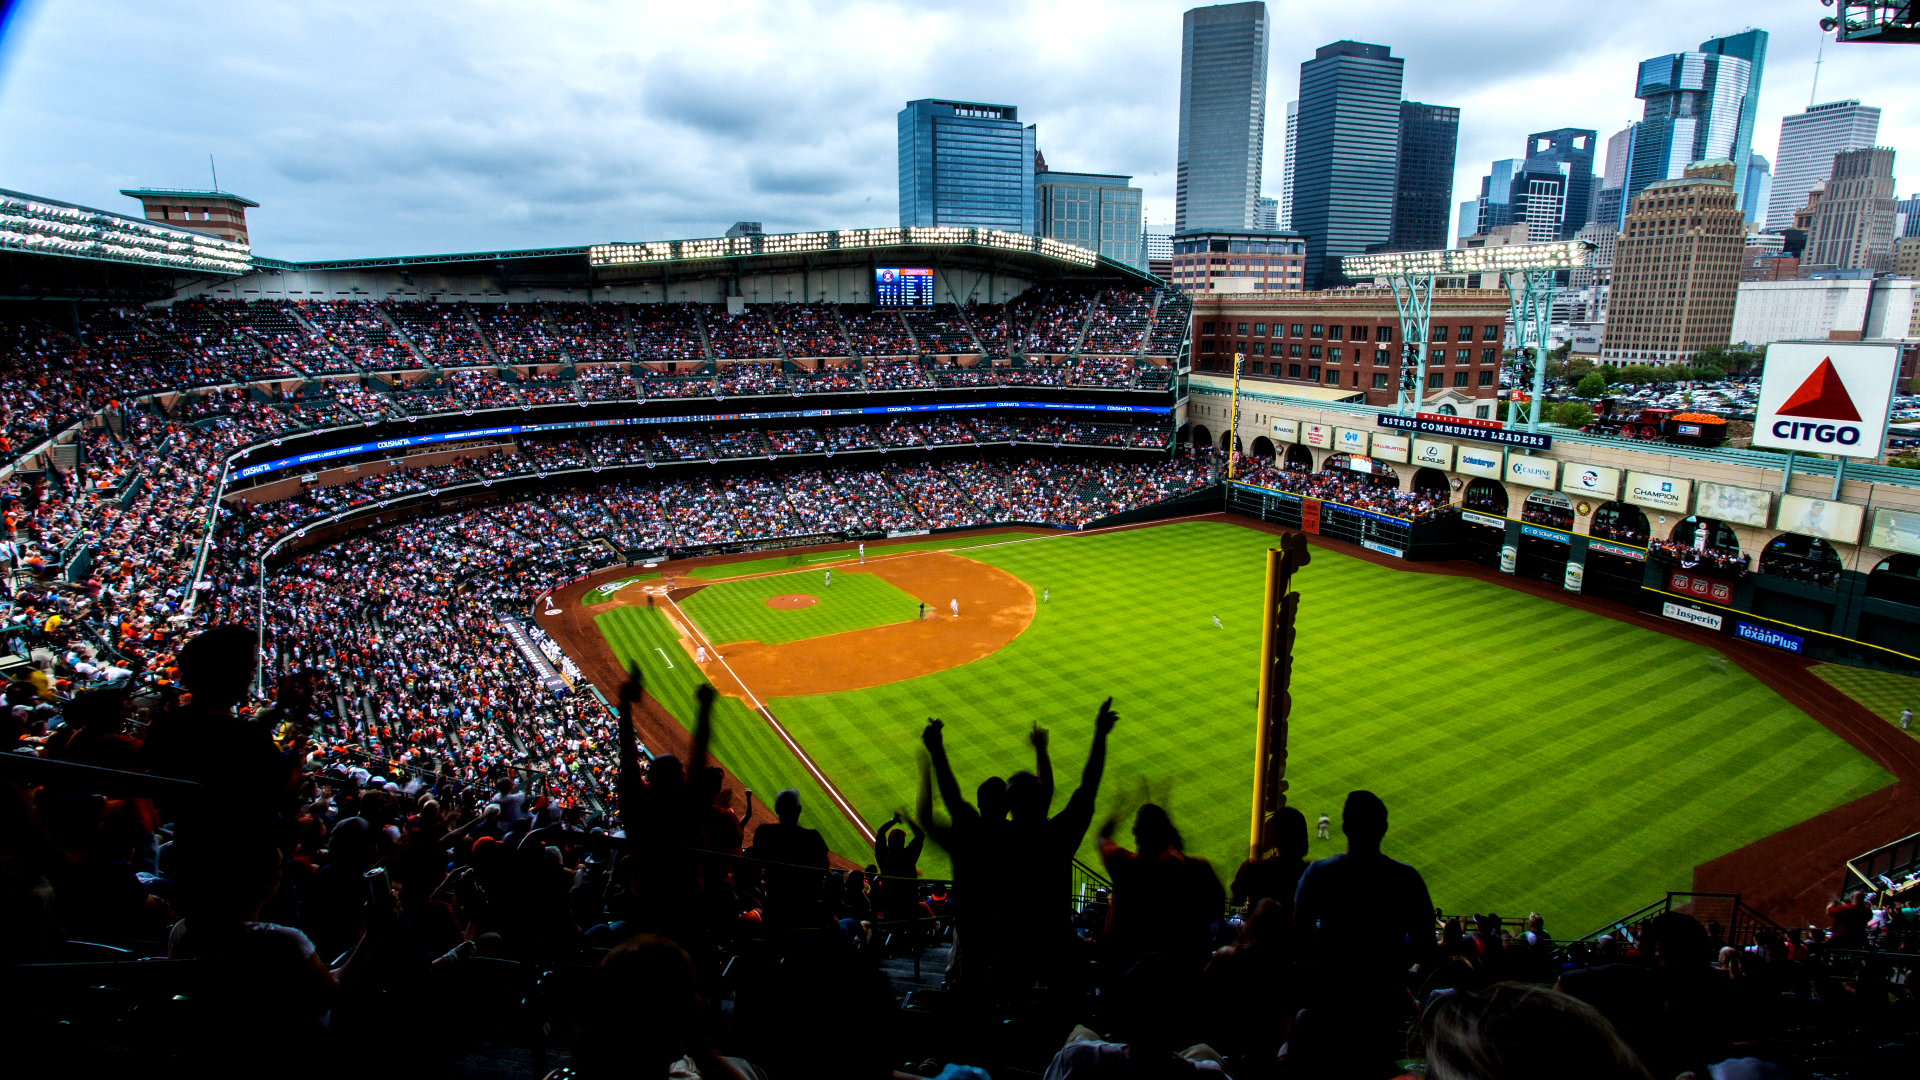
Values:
[(1533, 755)]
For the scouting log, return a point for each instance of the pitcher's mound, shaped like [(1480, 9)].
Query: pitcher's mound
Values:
[(791, 601)]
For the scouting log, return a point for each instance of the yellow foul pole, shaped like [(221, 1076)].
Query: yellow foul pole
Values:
[(1233, 417), (1275, 702)]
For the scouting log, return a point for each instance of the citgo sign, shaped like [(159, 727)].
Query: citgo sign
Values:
[(1831, 397)]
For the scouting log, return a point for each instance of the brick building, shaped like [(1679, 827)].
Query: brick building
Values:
[(1676, 271), (1214, 260), (1350, 339), (218, 212)]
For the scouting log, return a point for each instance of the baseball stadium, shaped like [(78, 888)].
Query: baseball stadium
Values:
[(681, 589)]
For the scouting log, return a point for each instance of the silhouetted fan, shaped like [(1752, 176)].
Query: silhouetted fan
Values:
[(1822, 397)]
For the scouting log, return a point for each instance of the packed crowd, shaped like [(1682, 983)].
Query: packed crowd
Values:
[(1688, 557), (1338, 486), (520, 334)]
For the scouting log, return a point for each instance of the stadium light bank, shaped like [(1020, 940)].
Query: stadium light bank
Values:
[(1527, 270)]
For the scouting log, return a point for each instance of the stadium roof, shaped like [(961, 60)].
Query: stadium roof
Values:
[(37, 226), (185, 193), (765, 253)]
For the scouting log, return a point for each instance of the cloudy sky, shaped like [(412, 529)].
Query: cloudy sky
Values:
[(395, 128)]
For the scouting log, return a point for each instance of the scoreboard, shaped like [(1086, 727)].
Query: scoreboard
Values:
[(896, 287)]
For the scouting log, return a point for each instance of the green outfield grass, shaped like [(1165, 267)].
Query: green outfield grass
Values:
[(1882, 692), (1533, 756), (823, 559), (742, 740), (738, 611)]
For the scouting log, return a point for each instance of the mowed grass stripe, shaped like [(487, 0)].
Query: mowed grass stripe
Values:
[(1533, 756), (741, 737), (824, 559), (737, 610), (1882, 692)]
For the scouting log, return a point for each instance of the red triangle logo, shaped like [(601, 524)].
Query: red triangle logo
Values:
[(1822, 397)]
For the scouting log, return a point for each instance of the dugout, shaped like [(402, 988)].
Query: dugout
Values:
[(1483, 526), (1616, 562), (1546, 537)]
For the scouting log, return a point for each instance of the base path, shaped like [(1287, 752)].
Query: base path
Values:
[(995, 607)]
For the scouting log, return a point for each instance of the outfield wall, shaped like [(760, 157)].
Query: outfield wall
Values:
[(1846, 595)]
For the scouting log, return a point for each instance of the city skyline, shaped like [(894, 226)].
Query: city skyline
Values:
[(524, 131)]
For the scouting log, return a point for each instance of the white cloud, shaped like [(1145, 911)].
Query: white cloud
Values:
[(415, 128)]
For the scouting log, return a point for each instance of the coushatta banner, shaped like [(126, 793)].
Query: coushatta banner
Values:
[(1596, 480), (1830, 397), (1825, 518), (1668, 493), (1742, 506)]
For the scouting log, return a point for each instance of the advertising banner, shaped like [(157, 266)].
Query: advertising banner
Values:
[(1595, 480), (1391, 447), (1320, 435), (1310, 516), (1539, 533), (1575, 577), (1738, 505), (1831, 397), (1460, 427), (1475, 461), (1767, 635), (1668, 493), (1286, 431), (1383, 549), (1488, 520), (1352, 440), (1896, 530), (1433, 453), (1825, 518), (1533, 471), (1694, 585), (1620, 550), (1711, 620)]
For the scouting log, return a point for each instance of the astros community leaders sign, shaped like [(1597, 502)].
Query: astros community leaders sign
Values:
[(1828, 396), (1458, 427)]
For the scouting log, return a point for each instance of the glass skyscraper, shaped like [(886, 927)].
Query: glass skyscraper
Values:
[(1423, 183), (966, 164), (1574, 149), (1693, 113), (1092, 210), (1344, 166), (1223, 117), (1751, 46)]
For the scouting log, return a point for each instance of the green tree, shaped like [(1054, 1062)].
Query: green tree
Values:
[(1635, 374), (1708, 373), (1577, 368), (1562, 350), (1571, 414), (1592, 385)]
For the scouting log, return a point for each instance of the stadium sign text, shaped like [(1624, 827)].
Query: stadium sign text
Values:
[(1456, 427), (1832, 397), (1621, 550), (1710, 620), (1539, 533), (1767, 635)]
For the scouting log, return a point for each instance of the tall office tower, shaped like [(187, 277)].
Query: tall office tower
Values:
[(1909, 208), (1095, 211), (1808, 141), (1692, 114), (1292, 144), (1223, 116), (1609, 201), (1496, 188), (966, 164), (1467, 221), (1539, 200), (1423, 184), (1573, 148), (1676, 270), (1343, 175), (1267, 218), (1759, 188), (1852, 226), (1749, 45)]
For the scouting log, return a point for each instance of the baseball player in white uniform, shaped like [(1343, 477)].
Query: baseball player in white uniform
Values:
[(700, 654), (955, 605)]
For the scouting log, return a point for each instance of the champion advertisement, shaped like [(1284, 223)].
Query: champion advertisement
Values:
[(1830, 397), (1655, 492)]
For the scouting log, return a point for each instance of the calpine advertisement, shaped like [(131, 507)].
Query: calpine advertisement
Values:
[(1830, 397)]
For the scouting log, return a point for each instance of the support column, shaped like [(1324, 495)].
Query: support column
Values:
[(1413, 296), (1530, 294)]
